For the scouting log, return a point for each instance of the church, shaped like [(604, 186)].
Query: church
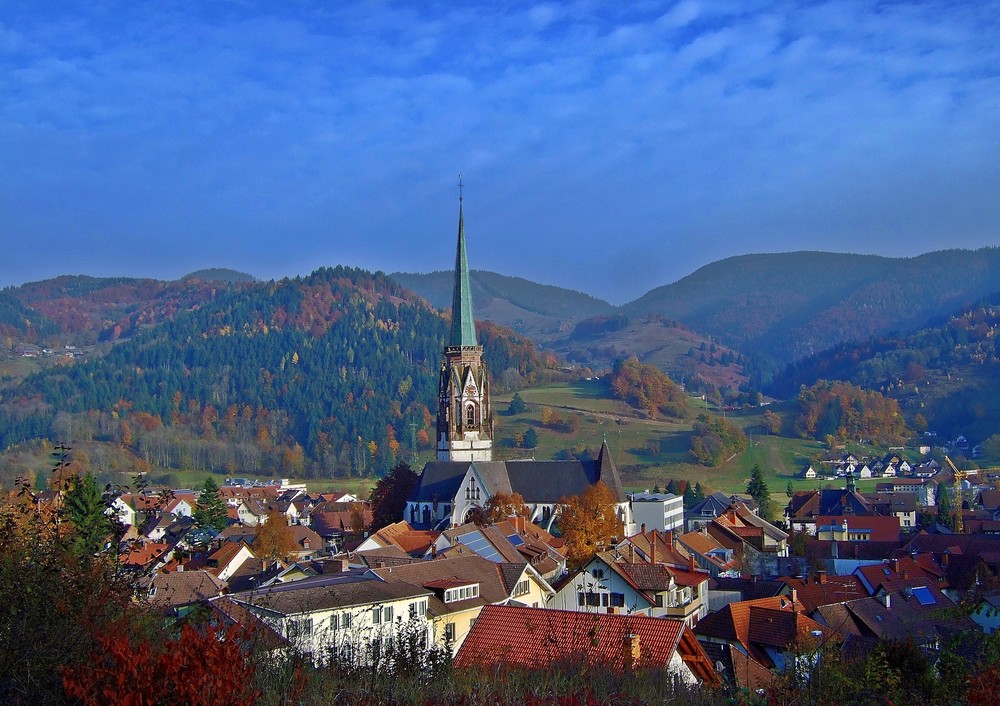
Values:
[(465, 476)]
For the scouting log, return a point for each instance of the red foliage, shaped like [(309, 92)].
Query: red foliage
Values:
[(203, 667)]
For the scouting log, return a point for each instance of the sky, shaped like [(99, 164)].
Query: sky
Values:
[(607, 147)]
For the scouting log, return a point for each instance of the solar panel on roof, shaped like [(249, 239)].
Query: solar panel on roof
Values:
[(515, 540), (481, 546), (923, 595)]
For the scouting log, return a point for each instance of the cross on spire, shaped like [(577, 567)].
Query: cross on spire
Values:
[(460, 188)]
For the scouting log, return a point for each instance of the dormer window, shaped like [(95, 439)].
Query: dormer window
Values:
[(461, 593)]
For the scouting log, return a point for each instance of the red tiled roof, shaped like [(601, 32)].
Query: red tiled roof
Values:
[(540, 638)]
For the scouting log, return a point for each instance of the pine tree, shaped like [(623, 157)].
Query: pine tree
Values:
[(758, 490), (945, 506), (517, 405), (86, 511), (530, 438), (211, 512), (699, 493)]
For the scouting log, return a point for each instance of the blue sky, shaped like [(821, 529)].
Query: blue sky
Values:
[(609, 147)]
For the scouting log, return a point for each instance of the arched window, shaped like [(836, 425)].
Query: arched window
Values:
[(470, 415)]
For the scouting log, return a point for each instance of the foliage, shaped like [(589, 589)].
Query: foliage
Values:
[(647, 388), (715, 440), (530, 439), (849, 412), (211, 511), (390, 494), (589, 523), (772, 422), (85, 510), (517, 405), (758, 490), (947, 507), (273, 539), (504, 505), (202, 667)]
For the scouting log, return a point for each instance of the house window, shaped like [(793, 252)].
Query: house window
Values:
[(449, 632), (460, 594), (522, 587), (345, 621), (597, 572), (593, 599), (604, 599), (659, 600), (618, 600), (334, 622), (418, 609), (581, 599), (387, 614), (377, 615)]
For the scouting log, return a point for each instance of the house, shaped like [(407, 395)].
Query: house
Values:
[(924, 488), (805, 506), (658, 511), (710, 554), (708, 509), (809, 473), (514, 637), (308, 544), (823, 589), (460, 588), (177, 592), (855, 528), (402, 536), (512, 540), (352, 617), (771, 631)]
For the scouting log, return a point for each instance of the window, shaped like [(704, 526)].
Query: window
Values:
[(470, 415), (659, 600), (581, 599), (449, 632), (345, 621), (377, 615), (618, 600), (593, 599), (462, 593), (597, 572), (522, 587), (334, 622), (418, 609), (387, 614)]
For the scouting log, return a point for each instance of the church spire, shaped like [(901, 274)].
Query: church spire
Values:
[(463, 328)]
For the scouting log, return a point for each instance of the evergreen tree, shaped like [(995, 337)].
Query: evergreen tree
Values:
[(390, 494), (85, 509), (656, 488), (789, 489), (211, 512), (530, 438), (689, 499), (758, 490), (945, 506), (699, 493), (517, 405)]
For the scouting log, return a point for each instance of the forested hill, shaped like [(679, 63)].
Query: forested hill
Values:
[(330, 374), (539, 310), (946, 377), (791, 305)]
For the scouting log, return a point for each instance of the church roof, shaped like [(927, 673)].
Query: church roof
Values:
[(536, 481), (463, 328)]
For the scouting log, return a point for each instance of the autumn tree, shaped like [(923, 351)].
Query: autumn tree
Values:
[(273, 538), (504, 505), (648, 388), (211, 511), (589, 523), (772, 422), (85, 509), (715, 440), (390, 494)]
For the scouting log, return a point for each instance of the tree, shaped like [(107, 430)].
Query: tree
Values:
[(390, 494), (789, 489), (772, 422), (698, 493), (946, 506), (716, 440), (530, 438), (211, 512), (86, 511), (504, 505), (517, 405), (589, 523), (273, 539), (758, 490)]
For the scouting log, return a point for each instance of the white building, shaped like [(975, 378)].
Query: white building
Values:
[(659, 511)]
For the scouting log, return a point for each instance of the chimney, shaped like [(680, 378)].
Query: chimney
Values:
[(691, 566), (895, 565), (944, 559), (631, 650), (821, 577), (886, 600), (795, 598), (652, 549), (642, 529)]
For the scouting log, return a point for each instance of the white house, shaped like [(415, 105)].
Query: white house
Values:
[(659, 511)]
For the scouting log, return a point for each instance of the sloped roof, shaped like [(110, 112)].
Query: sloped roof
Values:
[(326, 592), (732, 622), (179, 588), (830, 589), (540, 638)]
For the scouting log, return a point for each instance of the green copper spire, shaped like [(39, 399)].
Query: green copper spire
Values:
[(463, 328)]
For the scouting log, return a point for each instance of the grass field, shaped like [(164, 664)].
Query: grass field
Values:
[(650, 452)]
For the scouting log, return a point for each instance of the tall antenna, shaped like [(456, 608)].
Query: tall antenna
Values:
[(460, 188)]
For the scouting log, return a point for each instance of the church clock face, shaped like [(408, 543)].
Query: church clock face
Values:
[(470, 390)]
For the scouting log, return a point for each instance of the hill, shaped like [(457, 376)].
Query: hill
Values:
[(946, 377), (790, 305), (328, 375), (538, 310)]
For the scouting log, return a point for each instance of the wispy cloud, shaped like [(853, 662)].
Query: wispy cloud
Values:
[(587, 132)]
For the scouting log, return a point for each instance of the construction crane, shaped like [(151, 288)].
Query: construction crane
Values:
[(957, 494)]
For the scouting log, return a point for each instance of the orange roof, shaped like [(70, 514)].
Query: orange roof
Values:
[(537, 638), (144, 554)]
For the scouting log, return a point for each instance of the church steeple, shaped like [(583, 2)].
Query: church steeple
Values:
[(465, 418), (463, 328)]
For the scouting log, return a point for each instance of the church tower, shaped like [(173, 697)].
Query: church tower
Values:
[(465, 419)]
